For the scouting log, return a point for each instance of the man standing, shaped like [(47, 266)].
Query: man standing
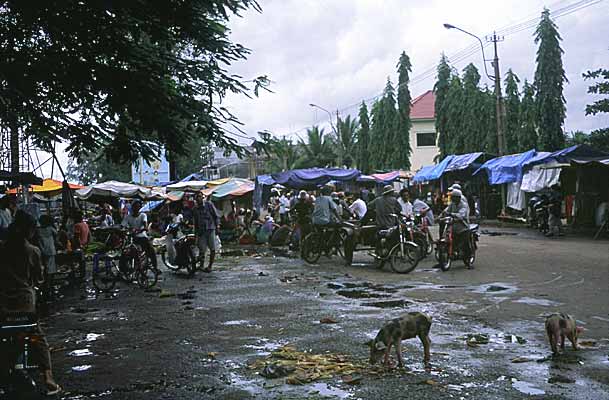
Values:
[(207, 221), (405, 204), (284, 209), (138, 223)]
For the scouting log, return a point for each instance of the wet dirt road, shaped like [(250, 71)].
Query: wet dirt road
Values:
[(196, 338)]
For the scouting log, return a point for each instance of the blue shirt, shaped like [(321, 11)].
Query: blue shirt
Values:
[(206, 217)]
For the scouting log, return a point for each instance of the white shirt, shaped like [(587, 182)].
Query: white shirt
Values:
[(359, 208), (284, 205), (5, 218), (420, 206), (177, 219), (406, 207), (139, 222)]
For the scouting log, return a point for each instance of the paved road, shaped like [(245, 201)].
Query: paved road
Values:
[(136, 345)]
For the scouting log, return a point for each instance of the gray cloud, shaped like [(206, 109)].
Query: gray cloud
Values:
[(336, 53)]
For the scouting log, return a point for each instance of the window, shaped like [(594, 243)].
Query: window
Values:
[(426, 139)]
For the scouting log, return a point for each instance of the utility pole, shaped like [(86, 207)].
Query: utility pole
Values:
[(340, 144), (499, 111)]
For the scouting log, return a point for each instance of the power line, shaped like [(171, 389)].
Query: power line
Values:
[(472, 49)]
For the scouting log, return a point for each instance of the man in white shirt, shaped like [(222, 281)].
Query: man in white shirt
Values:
[(405, 204), (358, 207), (138, 223), (284, 208)]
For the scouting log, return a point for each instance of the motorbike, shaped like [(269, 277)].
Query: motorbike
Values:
[(181, 250), (391, 245), (422, 235), (18, 331), (539, 213), (447, 251)]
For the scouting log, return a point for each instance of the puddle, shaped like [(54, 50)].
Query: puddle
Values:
[(387, 304), (536, 302), (494, 287), (324, 389), (360, 294), (236, 322), (80, 353), (81, 368), (526, 388), (264, 347)]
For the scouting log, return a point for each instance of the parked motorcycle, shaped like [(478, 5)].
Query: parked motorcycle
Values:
[(539, 212), (18, 331), (446, 249), (394, 245), (181, 251)]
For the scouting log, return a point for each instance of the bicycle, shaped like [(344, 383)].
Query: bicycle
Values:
[(328, 240), (134, 266)]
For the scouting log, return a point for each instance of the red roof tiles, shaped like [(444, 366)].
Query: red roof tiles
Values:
[(422, 107)]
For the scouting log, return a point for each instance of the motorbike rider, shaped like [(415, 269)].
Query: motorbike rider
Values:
[(20, 272), (460, 212), (384, 206), (405, 203), (325, 210), (555, 203), (138, 223)]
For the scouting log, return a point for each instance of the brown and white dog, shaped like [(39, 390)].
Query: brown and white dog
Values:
[(559, 326)]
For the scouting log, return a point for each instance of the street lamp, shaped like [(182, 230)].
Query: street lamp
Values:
[(335, 129), (499, 102), (484, 60)]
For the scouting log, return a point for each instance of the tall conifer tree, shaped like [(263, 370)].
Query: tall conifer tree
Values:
[(472, 105), (549, 80), (363, 140), (441, 89), (376, 145), (388, 121), (527, 135), (454, 125), (402, 150), (512, 106)]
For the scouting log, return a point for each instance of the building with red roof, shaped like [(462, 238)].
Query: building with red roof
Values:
[(423, 137)]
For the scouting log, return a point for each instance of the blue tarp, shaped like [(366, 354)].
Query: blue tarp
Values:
[(432, 172), (579, 152), (462, 161), (506, 169), (312, 178)]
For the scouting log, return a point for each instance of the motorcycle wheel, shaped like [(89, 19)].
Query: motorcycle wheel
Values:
[(191, 263), (169, 265), (340, 246), (104, 278), (147, 277), (443, 257), (403, 264), (311, 250)]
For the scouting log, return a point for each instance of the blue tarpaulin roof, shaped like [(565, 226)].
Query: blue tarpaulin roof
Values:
[(506, 169), (313, 177), (462, 161), (579, 152), (432, 172)]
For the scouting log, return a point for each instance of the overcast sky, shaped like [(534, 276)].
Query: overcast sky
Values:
[(337, 52)]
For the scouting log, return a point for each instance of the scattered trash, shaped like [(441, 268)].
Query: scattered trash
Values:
[(262, 273), (522, 360), (81, 368), (352, 379), (166, 293), (272, 371), (560, 379), (308, 367), (328, 320), (475, 339), (80, 353), (514, 339), (212, 355), (429, 382), (587, 343), (186, 296)]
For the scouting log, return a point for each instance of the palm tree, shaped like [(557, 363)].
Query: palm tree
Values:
[(284, 155), (317, 151), (347, 140)]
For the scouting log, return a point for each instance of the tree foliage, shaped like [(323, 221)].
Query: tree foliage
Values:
[(454, 115), (549, 80), (512, 109), (94, 168), (317, 150), (363, 140), (123, 78), (402, 150), (474, 128), (441, 89), (346, 142), (527, 137)]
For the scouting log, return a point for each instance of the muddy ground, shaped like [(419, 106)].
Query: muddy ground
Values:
[(197, 344)]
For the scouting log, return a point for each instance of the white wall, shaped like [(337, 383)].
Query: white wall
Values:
[(421, 156)]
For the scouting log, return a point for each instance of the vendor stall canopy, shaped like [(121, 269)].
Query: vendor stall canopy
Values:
[(49, 187), (22, 178), (579, 152), (506, 169), (115, 189), (312, 178), (451, 163)]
